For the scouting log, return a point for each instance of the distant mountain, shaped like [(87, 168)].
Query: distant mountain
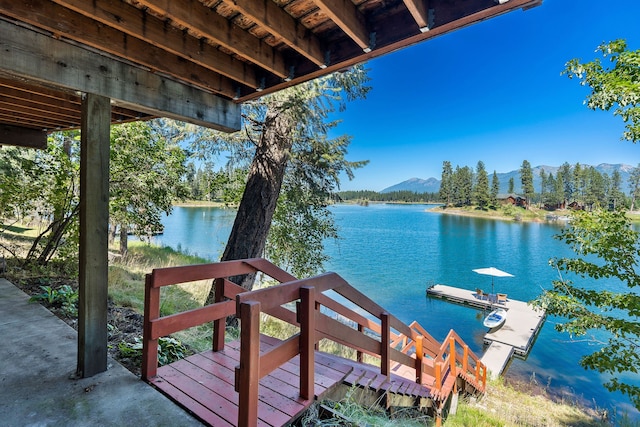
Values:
[(417, 185), (432, 185)]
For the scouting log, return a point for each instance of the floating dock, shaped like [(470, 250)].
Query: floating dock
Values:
[(514, 337)]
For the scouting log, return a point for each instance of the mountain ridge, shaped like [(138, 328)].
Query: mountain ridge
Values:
[(432, 185)]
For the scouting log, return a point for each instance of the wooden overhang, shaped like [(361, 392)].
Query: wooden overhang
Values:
[(195, 60)]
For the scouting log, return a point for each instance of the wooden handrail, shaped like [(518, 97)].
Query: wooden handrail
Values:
[(376, 333)]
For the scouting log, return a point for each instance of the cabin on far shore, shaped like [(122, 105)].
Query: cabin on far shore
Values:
[(512, 199)]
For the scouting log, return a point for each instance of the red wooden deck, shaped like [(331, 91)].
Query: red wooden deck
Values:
[(204, 384), (244, 384)]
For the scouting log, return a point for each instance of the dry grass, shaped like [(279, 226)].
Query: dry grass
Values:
[(508, 406)]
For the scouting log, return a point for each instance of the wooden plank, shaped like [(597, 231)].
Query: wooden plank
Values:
[(23, 137), (201, 411), (75, 26), (290, 291), (419, 12), (94, 229), (192, 273), (34, 56), (343, 334), (180, 321), (207, 23), (217, 392), (139, 24), (278, 355), (213, 389), (216, 403), (282, 25), (345, 14)]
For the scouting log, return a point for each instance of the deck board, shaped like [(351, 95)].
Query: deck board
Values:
[(204, 384)]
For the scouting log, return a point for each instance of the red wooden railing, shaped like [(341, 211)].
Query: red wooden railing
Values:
[(376, 333)]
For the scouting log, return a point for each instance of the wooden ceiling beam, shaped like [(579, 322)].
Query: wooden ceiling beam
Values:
[(33, 56), (22, 137), (198, 18), (347, 16), (138, 24), (279, 23), (64, 22), (420, 12)]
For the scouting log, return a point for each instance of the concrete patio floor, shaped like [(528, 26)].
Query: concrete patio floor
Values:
[(37, 358)]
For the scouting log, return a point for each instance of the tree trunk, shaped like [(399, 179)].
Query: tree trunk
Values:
[(112, 233), (124, 242), (253, 220)]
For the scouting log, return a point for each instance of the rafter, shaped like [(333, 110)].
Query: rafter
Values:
[(202, 20), (138, 24), (267, 14), (346, 16), (419, 10), (77, 27), (36, 57)]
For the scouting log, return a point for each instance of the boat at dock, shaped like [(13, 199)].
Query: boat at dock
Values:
[(496, 318)]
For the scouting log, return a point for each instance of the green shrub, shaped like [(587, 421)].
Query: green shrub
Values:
[(64, 298), (169, 350)]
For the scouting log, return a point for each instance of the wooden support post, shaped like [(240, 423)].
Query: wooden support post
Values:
[(248, 373), (385, 340), (307, 341), (150, 344), (94, 223), (219, 325), (419, 357)]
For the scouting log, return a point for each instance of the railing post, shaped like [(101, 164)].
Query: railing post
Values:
[(438, 376), (219, 325), (419, 356), (465, 359), (307, 341), (359, 354), (385, 339), (248, 373), (452, 355), (151, 312), (317, 344)]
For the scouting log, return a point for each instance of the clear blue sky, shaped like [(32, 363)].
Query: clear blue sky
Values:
[(491, 92)]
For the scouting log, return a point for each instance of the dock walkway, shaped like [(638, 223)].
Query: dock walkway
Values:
[(515, 336)]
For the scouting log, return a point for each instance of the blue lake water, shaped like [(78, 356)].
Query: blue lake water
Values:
[(393, 252)]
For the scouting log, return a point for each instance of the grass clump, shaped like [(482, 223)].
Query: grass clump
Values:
[(503, 404)]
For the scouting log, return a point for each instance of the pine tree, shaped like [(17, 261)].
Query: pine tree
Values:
[(495, 189), (481, 193), (446, 183), (526, 176)]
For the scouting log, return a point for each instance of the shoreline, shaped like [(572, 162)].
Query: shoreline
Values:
[(496, 215)]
